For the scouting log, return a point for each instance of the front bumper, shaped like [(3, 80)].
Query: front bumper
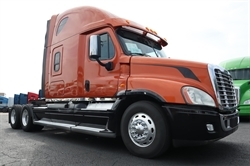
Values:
[(199, 124)]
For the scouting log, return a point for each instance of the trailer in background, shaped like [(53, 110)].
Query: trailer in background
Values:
[(32, 96), (10, 103), (3, 104), (16, 99), (21, 99)]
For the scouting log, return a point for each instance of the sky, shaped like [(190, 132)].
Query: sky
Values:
[(207, 31)]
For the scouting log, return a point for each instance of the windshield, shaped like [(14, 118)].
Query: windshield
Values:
[(136, 44), (240, 74)]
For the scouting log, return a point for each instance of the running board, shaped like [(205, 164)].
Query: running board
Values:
[(80, 129)]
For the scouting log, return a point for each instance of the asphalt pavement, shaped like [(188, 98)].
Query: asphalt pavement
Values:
[(60, 148)]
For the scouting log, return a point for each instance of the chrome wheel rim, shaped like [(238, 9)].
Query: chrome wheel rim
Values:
[(141, 129), (25, 117), (13, 116)]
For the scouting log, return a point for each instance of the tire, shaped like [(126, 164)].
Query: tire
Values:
[(14, 117), (27, 120), (147, 119)]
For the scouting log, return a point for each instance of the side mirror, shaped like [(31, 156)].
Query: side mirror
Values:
[(94, 46), (95, 52)]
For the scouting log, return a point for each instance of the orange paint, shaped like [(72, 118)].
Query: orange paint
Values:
[(154, 74)]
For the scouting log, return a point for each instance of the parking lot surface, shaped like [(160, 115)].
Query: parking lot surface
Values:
[(57, 147)]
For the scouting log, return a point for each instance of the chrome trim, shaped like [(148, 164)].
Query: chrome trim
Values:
[(101, 106), (64, 99), (86, 128), (99, 99), (80, 99), (25, 117), (98, 106), (213, 79), (58, 105), (80, 129), (142, 130), (94, 131), (13, 116), (54, 124), (212, 74), (91, 106), (40, 107)]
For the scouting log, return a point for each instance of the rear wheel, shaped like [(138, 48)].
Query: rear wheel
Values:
[(14, 116), (144, 130), (27, 120)]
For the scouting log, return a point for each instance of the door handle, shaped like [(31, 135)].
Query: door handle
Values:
[(87, 84)]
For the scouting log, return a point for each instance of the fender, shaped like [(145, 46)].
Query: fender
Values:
[(30, 106), (141, 92)]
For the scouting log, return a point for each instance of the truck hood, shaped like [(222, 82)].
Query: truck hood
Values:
[(242, 83), (187, 72)]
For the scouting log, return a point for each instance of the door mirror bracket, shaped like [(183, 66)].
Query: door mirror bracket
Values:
[(108, 66)]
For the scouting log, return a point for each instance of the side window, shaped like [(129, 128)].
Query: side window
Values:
[(57, 61), (107, 47), (61, 25)]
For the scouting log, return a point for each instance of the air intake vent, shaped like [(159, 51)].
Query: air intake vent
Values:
[(225, 88)]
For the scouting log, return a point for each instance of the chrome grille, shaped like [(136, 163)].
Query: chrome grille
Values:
[(225, 88)]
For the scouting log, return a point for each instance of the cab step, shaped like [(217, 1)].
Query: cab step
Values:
[(96, 131)]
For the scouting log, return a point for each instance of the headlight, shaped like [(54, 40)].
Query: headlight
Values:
[(197, 96), (247, 101)]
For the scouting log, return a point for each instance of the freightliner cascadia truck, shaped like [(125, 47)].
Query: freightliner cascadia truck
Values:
[(152, 102)]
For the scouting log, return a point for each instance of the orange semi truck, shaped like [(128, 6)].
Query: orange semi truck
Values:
[(150, 101)]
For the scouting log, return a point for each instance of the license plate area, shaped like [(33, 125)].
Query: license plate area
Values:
[(229, 122)]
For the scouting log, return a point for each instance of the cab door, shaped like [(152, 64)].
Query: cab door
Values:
[(98, 81)]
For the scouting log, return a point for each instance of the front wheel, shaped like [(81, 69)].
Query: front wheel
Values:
[(144, 130)]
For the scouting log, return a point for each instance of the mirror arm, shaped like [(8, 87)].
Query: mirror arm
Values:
[(108, 66), (100, 63)]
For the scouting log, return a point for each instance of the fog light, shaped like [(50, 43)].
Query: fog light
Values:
[(238, 121), (210, 127)]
